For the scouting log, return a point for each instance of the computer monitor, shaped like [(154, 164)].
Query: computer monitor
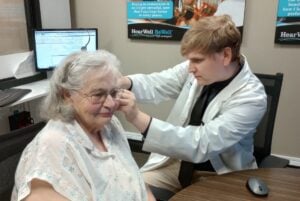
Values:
[(51, 46)]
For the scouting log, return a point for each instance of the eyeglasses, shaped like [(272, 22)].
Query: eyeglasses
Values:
[(100, 96)]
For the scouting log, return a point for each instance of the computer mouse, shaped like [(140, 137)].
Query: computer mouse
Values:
[(257, 186)]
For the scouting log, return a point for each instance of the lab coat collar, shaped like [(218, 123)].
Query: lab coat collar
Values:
[(238, 82)]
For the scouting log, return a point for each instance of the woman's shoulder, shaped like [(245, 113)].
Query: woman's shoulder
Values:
[(48, 158), (53, 133), (46, 149), (53, 138)]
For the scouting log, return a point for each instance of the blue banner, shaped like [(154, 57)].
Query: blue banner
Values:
[(150, 10), (288, 22)]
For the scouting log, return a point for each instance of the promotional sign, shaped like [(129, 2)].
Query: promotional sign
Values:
[(169, 19), (288, 22)]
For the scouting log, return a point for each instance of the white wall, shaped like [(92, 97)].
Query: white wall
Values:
[(55, 13), (147, 56)]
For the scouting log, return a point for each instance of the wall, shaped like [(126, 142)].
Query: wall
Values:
[(54, 14), (147, 56)]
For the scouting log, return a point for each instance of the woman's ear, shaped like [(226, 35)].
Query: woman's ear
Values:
[(66, 95), (227, 56)]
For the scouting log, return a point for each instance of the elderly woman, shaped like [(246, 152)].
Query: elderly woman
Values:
[(82, 153)]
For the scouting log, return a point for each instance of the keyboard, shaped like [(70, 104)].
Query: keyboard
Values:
[(11, 95)]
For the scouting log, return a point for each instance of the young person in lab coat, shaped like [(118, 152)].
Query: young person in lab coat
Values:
[(219, 103)]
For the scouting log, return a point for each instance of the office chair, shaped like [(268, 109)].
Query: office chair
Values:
[(12, 145), (137, 146), (264, 132)]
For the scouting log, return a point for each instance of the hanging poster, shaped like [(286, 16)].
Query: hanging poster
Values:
[(288, 22), (169, 19)]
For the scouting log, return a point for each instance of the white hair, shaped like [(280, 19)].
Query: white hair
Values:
[(70, 75)]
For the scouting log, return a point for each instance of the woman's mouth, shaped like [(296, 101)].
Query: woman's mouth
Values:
[(106, 114)]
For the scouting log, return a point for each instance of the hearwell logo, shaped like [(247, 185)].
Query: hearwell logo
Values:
[(142, 31), (286, 35), (151, 33)]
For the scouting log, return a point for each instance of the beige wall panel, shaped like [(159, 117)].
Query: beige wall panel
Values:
[(258, 45)]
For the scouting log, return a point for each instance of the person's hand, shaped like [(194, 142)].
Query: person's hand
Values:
[(131, 111), (128, 105), (124, 82)]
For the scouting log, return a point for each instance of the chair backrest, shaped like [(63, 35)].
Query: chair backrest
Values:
[(12, 145), (264, 133)]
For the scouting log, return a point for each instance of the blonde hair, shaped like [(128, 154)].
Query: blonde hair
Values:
[(70, 75), (212, 34)]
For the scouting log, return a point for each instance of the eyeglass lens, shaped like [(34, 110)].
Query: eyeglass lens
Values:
[(101, 96)]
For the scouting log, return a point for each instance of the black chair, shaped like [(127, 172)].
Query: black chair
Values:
[(137, 146), (264, 134), (12, 145)]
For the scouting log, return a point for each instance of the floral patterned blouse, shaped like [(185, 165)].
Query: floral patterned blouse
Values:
[(63, 155)]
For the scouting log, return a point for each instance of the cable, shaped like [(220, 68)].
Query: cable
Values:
[(84, 48)]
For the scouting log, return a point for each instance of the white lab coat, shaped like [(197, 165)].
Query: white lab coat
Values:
[(230, 119)]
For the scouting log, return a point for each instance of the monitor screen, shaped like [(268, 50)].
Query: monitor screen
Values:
[(51, 46)]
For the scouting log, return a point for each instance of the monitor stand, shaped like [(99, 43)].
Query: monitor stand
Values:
[(49, 74)]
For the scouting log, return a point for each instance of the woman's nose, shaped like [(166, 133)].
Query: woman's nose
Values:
[(110, 101)]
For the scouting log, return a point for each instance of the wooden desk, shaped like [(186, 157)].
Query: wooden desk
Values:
[(283, 183)]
